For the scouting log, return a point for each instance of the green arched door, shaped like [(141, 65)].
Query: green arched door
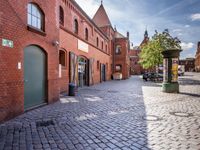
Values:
[(34, 77)]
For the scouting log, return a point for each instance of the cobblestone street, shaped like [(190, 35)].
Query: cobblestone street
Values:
[(128, 114)]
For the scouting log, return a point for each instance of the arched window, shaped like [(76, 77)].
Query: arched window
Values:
[(61, 15), (118, 49), (86, 34), (97, 42), (76, 26), (62, 58), (102, 45), (106, 48), (35, 16)]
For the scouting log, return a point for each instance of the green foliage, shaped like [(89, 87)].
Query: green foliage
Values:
[(151, 54)]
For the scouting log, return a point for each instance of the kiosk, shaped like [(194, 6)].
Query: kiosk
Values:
[(170, 70)]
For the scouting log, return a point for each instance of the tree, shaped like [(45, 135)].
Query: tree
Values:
[(151, 54)]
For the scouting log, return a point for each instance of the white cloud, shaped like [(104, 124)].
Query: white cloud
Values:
[(176, 30), (187, 26), (187, 46), (89, 6), (195, 16), (180, 34)]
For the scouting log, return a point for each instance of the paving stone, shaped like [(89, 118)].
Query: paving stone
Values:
[(112, 115)]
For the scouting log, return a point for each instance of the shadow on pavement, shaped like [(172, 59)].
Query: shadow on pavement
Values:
[(190, 94)]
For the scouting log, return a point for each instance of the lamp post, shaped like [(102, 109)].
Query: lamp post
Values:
[(170, 70)]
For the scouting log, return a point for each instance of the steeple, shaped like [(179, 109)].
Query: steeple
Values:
[(101, 18), (146, 34), (146, 37)]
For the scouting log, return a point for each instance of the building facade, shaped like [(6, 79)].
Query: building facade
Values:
[(135, 67), (28, 59), (189, 64), (197, 58), (45, 46)]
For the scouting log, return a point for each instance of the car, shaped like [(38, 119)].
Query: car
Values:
[(152, 76)]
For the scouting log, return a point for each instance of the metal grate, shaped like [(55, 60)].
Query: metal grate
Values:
[(44, 123), (181, 114), (151, 118)]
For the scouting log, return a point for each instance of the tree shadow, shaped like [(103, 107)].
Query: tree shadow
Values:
[(188, 81), (190, 94)]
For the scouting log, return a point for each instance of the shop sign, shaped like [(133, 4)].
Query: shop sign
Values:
[(7, 43), (83, 46)]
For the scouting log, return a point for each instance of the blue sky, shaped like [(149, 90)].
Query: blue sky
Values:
[(181, 17)]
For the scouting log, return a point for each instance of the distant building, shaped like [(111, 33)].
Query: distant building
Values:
[(189, 64), (197, 58), (135, 67), (118, 43)]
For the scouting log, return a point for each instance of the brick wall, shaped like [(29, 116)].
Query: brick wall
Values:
[(136, 68), (13, 26), (122, 58)]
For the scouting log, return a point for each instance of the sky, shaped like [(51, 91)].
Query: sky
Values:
[(181, 17)]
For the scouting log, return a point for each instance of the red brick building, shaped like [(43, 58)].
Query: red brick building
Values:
[(136, 68), (197, 58), (47, 45), (23, 39), (189, 64), (118, 43)]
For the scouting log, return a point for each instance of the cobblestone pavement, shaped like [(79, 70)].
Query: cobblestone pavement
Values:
[(129, 114)]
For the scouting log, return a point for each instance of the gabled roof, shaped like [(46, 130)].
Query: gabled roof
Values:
[(101, 18), (89, 19)]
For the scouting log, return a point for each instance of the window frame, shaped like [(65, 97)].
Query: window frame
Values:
[(97, 42), (64, 53), (61, 16), (86, 34), (120, 50), (76, 26), (98, 64), (31, 15), (120, 70)]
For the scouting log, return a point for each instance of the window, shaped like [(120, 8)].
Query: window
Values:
[(62, 58), (98, 64), (61, 15), (118, 49), (97, 42), (76, 26), (118, 68), (102, 45), (106, 48), (35, 17), (86, 34)]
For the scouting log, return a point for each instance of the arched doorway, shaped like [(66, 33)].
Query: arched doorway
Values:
[(35, 76), (83, 74)]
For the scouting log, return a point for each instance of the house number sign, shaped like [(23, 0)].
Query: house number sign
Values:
[(7, 43)]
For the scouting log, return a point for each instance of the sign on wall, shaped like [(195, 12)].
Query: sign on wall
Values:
[(83, 46), (7, 43)]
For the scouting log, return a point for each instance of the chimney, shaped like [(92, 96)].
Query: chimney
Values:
[(128, 35)]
